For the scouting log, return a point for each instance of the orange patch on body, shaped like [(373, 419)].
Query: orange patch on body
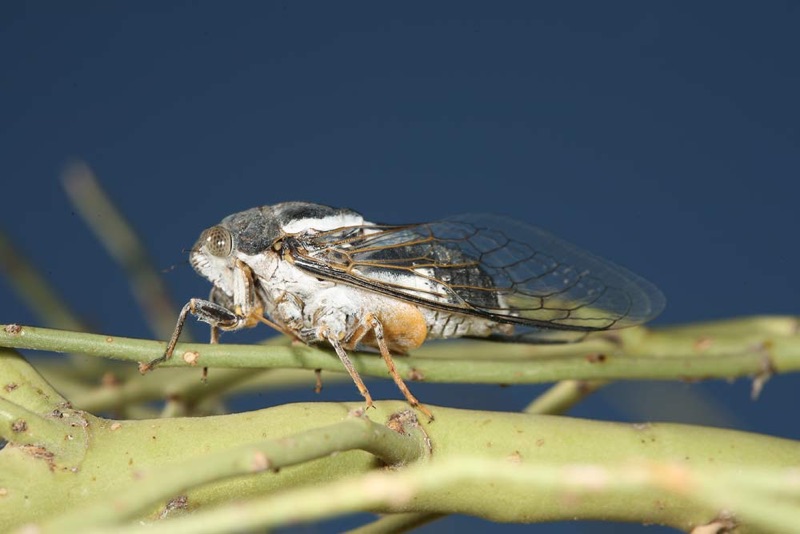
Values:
[(404, 327)]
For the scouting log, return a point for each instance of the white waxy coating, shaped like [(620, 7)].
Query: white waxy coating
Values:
[(323, 224), (341, 308)]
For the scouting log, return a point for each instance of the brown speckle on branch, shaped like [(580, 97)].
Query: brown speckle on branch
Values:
[(41, 453), (400, 421), (180, 502), (13, 329), (416, 375), (191, 357), (20, 425)]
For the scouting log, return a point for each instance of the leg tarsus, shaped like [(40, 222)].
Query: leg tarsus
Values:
[(209, 312), (185, 311)]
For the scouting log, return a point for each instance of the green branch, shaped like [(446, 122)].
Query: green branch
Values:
[(20, 383), (558, 399), (722, 350), (651, 488), (500, 466), (394, 447), (19, 426), (119, 390)]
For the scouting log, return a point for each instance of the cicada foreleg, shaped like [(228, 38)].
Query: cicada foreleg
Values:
[(219, 317), (222, 312)]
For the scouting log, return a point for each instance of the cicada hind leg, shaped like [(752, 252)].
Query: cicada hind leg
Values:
[(372, 325), (377, 331)]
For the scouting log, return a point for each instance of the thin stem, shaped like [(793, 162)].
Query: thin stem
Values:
[(560, 397), (396, 523), (120, 390), (186, 385), (688, 359)]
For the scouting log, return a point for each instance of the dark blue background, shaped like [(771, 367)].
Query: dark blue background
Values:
[(663, 136)]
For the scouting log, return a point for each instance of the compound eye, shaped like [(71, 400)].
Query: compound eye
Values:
[(218, 241)]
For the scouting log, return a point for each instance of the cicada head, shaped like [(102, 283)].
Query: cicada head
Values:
[(253, 237), (212, 256), (238, 237)]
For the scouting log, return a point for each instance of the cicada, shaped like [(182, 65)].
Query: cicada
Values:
[(326, 275)]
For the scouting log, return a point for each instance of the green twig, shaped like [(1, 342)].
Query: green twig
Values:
[(396, 523), (562, 396), (21, 384), (184, 385), (187, 386), (650, 355)]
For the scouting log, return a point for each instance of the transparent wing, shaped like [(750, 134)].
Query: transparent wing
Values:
[(484, 265)]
